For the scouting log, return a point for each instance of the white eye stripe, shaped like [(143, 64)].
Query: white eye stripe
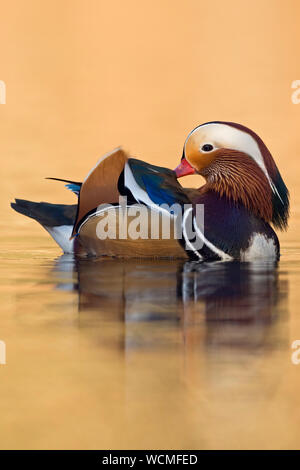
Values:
[(235, 139), (230, 137)]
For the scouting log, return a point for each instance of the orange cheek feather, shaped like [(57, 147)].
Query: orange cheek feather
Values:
[(198, 160)]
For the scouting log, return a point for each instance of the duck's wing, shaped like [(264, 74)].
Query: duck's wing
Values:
[(116, 174), (153, 185), (101, 184)]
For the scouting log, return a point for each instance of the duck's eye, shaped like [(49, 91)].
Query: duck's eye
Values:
[(207, 148)]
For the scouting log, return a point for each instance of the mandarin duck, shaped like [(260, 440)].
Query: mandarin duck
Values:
[(242, 196)]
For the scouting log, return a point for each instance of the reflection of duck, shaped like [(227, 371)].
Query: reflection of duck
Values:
[(239, 300), (242, 291), (244, 193), (226, 297), (201, 343)]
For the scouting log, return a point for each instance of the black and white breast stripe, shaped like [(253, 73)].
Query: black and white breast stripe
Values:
[(194, 238)]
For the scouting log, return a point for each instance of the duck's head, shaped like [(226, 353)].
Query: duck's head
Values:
[(237, 164)]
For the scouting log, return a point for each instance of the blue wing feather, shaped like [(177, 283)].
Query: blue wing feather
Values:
[(156, 193), (160, 184), (73, 186)]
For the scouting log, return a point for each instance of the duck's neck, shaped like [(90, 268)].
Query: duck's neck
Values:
[(238, 178)]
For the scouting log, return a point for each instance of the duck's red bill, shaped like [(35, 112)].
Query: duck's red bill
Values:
[(184, 169)]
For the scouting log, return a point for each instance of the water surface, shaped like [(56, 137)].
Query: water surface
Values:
[(105, 353)]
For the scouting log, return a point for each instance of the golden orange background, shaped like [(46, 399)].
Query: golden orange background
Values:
[(84, 77)]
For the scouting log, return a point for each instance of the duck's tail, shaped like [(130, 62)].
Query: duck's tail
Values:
[(57, 219)]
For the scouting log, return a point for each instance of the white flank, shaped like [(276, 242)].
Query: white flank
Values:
[(61, 234), (260, 247)]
